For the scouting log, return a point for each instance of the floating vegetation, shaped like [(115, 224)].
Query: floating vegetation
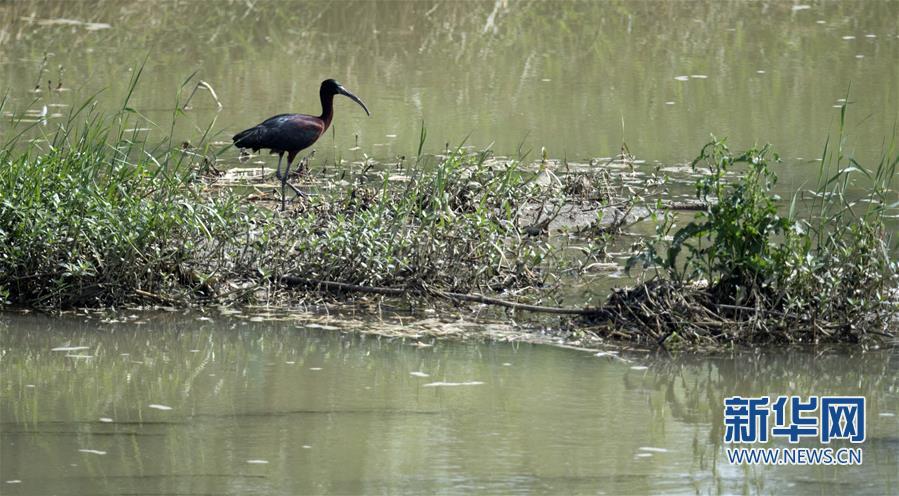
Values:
[(453, 384), (92, 451), (90, 26), (70, 348)]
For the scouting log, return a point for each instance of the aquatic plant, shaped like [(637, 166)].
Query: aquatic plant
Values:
[(97, 215), (453, 227), (743, 271)]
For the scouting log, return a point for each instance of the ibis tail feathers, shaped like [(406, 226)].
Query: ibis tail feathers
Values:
[(249, 138)]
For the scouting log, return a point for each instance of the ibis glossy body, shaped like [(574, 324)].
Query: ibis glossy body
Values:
[(292, 133)]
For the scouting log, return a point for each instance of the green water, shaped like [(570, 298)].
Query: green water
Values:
[(578, 78), (343, 413), (338, 412)]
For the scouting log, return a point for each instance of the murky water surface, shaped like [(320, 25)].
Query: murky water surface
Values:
[(578, 78), (176, 405), (184, 406)]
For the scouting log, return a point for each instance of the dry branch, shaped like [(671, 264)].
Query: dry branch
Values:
[(471, 297)]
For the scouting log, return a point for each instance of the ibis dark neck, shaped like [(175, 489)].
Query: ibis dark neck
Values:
[(327, 107)]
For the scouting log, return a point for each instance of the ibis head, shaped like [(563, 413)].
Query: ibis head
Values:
[(332, 87)]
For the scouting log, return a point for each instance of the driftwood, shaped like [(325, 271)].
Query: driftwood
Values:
[(651, 312), (471, 297), (685, 205)]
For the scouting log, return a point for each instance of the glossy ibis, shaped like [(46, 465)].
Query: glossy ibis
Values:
[(291, 133)]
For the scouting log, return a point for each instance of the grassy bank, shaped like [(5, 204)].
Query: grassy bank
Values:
[(99, 216)]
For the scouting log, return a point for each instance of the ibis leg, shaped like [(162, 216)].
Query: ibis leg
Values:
[(277, 172), (284, 179), (290, 157)]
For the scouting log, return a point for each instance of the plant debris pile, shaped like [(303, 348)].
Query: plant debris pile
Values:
[(741, 271)]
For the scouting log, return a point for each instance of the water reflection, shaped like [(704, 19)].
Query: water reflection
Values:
[(232, 406), (578, 78)]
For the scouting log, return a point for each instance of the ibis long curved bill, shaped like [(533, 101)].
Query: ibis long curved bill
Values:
[(345, 92)]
